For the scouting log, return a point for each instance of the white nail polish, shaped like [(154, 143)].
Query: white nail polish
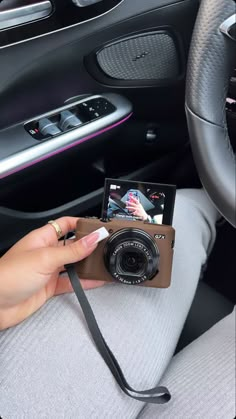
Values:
[(103, 234)]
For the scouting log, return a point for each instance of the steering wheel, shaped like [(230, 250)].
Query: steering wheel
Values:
[(211, 61)]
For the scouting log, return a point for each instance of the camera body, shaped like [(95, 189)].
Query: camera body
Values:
[(135, 253)]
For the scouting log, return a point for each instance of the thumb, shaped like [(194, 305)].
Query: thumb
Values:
[(78, 250)]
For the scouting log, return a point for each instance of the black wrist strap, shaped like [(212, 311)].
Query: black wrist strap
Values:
[(157, 395)]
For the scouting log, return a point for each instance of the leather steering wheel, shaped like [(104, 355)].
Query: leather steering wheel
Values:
[(211, 61)]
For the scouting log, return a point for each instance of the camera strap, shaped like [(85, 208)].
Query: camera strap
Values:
[(156, 395)]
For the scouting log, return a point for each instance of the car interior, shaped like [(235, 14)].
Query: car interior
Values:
[(96, 89)]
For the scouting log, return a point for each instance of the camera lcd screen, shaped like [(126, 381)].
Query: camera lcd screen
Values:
[(150, 202)]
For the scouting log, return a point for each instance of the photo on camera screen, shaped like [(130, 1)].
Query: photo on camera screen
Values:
[(149, 202)]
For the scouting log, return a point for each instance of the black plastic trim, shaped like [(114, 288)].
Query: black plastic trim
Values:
[(64, 14)]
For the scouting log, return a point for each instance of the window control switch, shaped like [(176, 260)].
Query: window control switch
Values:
[(68, 120), (95, 108), (47, 127)]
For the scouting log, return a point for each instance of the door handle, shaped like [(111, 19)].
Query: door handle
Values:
[(24, 14)]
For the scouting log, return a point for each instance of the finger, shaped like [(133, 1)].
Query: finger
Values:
[(74, 252), (69, 241), (89, 284), (64, 286), (130, 205), (46, 235), (61, 244), (66, 224), (134, 200), (131, 208)]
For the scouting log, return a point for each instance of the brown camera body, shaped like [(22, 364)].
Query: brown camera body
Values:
[(94, 266)]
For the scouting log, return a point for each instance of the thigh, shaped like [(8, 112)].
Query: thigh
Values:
[(49, 366), (201, 378)]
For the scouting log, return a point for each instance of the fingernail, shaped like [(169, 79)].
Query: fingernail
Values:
[(96, 237)]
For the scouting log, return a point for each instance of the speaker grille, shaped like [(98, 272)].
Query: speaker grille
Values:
[(143, 57)]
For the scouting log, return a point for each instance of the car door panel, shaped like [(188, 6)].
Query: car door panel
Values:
[(43, 73)]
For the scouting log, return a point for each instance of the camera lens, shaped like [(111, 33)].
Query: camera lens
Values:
[(132, 262), (131, 256)]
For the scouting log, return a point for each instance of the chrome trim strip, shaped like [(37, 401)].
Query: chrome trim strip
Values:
[(24, 14), (85, 3), (227, 25), (62, 29), (43, 150)]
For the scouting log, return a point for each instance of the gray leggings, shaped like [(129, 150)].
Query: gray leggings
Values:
[(49, 367)]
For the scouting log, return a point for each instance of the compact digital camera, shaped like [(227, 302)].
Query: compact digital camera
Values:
[(135, 253)]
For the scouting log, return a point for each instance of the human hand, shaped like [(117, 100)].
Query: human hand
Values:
[(134, 206), (29, 271)]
